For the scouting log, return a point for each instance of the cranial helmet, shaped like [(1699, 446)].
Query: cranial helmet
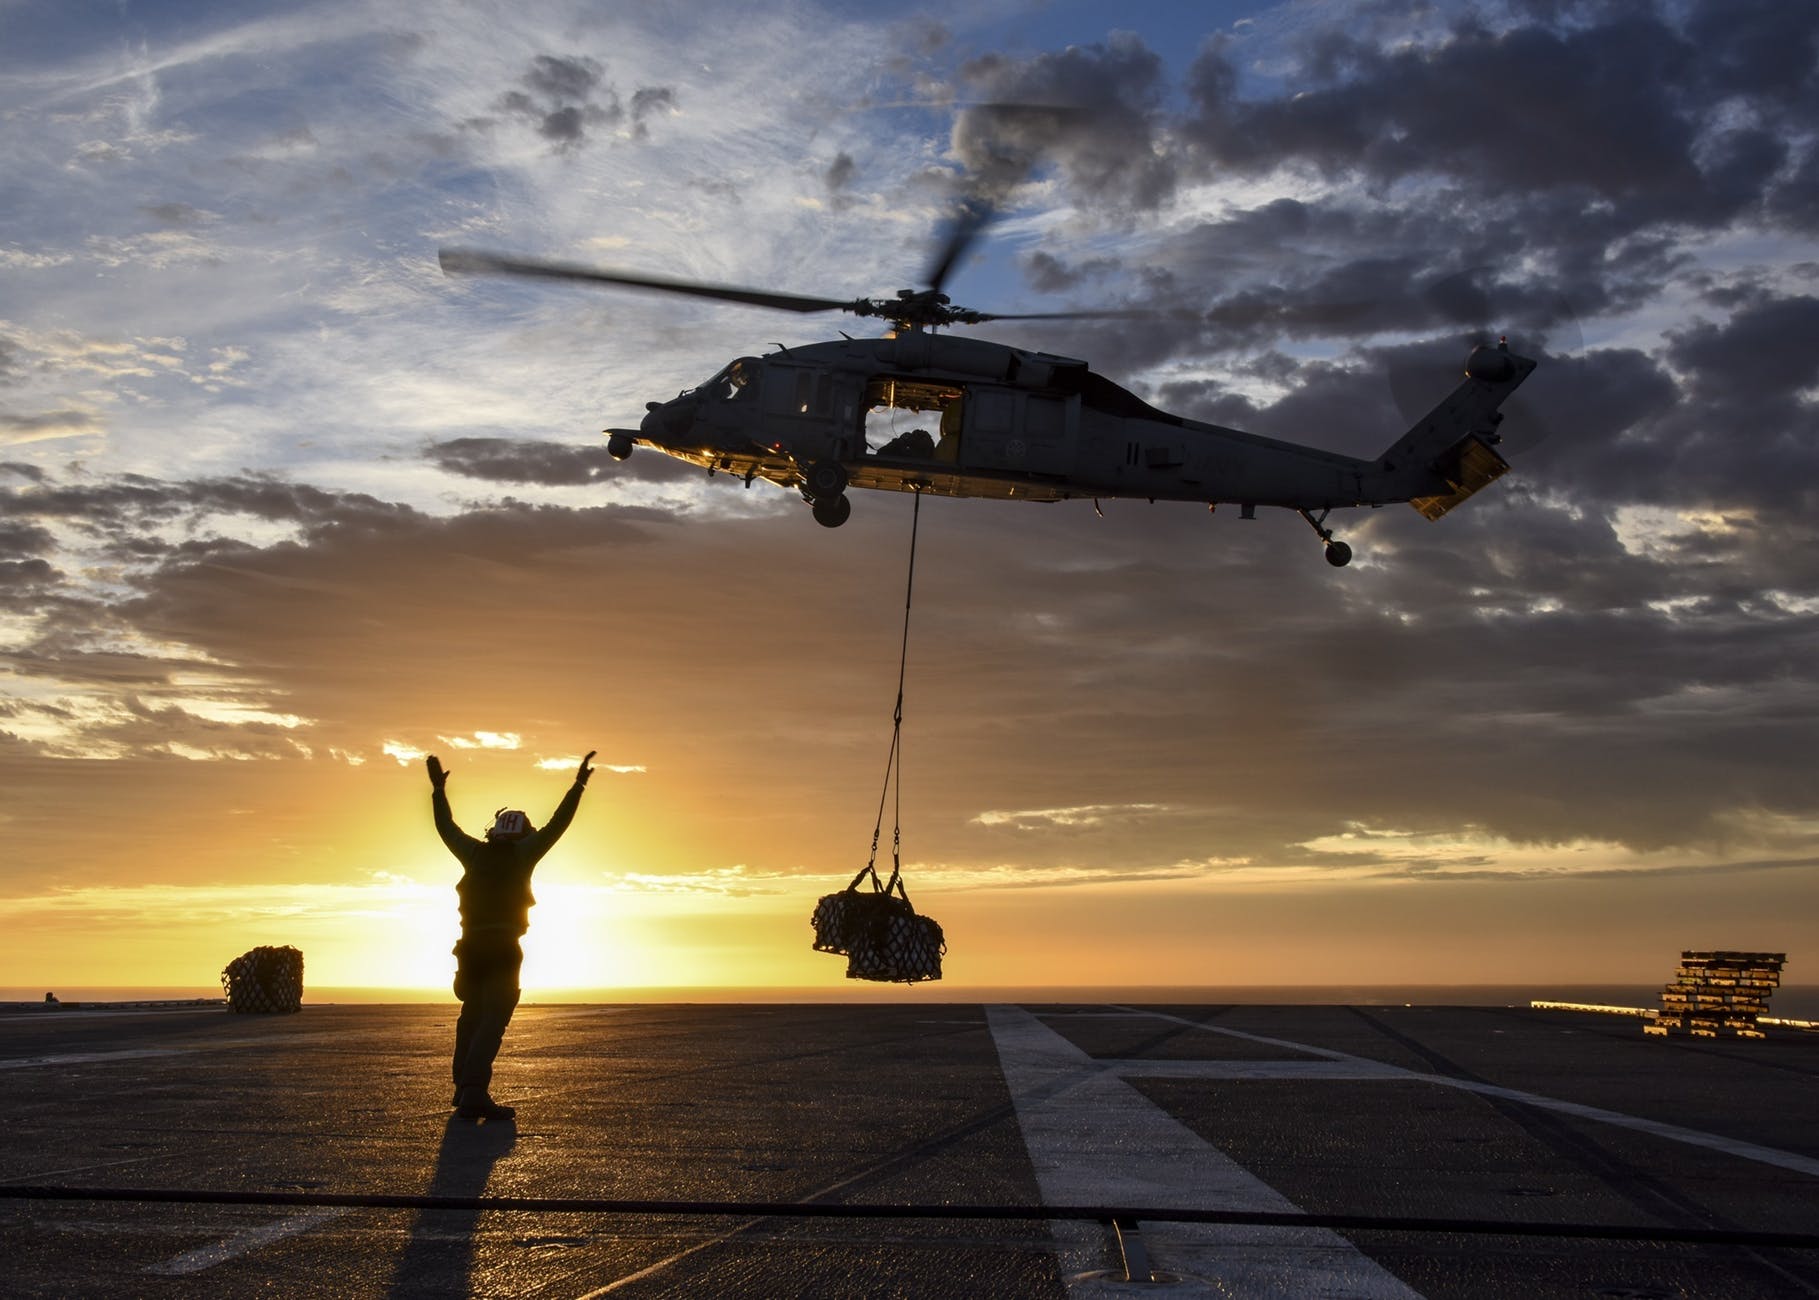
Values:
[(509, 824)]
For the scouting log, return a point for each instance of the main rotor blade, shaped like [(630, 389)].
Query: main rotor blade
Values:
[(973, 215), (463, 261), (1471, 307), (980, 317)]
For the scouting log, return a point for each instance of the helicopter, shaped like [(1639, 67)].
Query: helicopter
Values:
[(1012, 424)]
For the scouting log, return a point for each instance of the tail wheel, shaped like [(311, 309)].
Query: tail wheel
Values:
[(1338, 554), (831, 512)]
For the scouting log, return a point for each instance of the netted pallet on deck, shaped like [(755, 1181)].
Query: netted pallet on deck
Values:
[(267, 981)]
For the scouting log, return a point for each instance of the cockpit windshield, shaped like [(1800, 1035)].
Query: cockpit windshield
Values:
[(737, 379)]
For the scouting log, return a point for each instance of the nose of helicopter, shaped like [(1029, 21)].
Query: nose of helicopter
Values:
[(667, 420)]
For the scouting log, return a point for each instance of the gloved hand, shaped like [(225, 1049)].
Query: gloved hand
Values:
[(584, 771), (438, 775)]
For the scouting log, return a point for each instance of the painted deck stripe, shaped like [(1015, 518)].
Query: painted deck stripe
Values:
[(1790, 1160), (206, 1257), (88, 1058), (1093, 1139)]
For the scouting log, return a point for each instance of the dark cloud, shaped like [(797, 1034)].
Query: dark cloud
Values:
[(648, 102), (10, 354), (1049, 274), (46, 424), (840, 173), (1757, 48), (19, 539), (568, 99), (129, 505), (1577, 147), (17, 576), (1608, 111), (175, 214), (1092, 112), (1521, 667), (1794, 202), (550, 464), (1763, 352)]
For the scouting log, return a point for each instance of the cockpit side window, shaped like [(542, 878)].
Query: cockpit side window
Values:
[(739, 379)]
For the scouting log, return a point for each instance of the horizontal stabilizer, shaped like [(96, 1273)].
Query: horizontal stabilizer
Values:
[(1466, 468)]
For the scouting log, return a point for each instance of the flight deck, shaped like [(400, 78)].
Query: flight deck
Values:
[(917, 1148)]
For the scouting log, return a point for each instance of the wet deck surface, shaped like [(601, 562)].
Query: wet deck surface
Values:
[(1511, 1115)]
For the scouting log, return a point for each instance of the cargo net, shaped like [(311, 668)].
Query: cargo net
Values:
[(265, 981), (881, 936), (1718, 995)]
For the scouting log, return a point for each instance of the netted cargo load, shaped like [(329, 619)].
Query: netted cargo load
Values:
[(265, 981), (897, 946), (835, 917), (879, 932)]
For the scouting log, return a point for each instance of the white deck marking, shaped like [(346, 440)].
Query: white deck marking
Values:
[(1790, 1160), (204, 1257), (41, 1175), (88, 1058), (1094, 1140), (336, 1036)]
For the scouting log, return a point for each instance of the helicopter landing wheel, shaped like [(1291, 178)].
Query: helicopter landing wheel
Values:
[(831, 512), (1338, 554), (825, 478)]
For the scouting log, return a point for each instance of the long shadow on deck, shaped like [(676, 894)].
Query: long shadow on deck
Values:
[(438, 1259)]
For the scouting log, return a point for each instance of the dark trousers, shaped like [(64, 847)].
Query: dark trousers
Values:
[(486, 981)]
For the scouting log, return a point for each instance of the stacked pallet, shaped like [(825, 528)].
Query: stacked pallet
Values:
[(1718, 994)]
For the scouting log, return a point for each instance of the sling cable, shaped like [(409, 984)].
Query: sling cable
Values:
[(880, 934)]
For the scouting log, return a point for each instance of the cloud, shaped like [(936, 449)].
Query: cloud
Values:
[(725, 882), (279, 575), (485, 740), (1092, 112), (548, 464), (177, 214), (840, 173), (1085, 815), (15, 429), (565, 98)]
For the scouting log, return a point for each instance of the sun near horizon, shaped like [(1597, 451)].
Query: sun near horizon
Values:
[(362, 886)]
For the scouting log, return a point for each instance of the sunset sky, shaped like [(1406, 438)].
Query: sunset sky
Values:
[(283, 509)]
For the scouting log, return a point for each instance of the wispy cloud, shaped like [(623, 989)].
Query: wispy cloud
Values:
[(1084, 815), (280, 500)]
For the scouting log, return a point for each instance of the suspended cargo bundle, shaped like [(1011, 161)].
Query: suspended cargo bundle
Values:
[(837, 916), (265, 981), (877, 930)]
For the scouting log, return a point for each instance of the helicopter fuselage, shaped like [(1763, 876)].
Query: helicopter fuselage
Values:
[(1001, 422)]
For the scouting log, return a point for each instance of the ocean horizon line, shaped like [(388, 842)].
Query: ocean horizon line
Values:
[(1800, 1000)]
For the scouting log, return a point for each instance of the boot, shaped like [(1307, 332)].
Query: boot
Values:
[(475, 1103)]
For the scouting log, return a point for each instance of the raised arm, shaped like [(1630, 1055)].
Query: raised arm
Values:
[(565, 811), (458, 841)]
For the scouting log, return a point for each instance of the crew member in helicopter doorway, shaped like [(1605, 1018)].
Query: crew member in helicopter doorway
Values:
[(495, 893)]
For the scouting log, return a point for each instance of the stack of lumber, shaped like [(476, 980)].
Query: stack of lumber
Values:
[(1718, 994)]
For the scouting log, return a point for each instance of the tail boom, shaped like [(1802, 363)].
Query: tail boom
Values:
[(1450, 453)]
